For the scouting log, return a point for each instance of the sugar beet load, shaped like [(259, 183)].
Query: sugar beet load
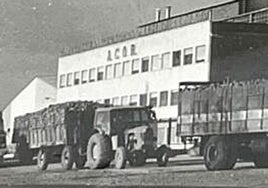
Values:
[(89, 134)]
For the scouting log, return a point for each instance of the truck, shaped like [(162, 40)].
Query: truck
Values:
[(90, 135), (229, 120)]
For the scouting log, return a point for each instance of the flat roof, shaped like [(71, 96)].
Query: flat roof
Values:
[(176, 21)]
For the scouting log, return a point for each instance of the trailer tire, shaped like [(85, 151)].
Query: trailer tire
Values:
[(67, 158), (42, 160), (120, 158), (136, 158), (219, 154), (99, 151), (260, 160)]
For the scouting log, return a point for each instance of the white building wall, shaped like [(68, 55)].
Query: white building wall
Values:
[(30, 99), (153, 81)]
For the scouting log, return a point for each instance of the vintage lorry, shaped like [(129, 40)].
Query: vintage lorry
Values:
[(89, 133), (229, 119)]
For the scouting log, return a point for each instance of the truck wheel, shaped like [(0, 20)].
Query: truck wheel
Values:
[(42, 160), (136, 158), (67, 158), (260, 160), (162, 156), (219, 154), (99, 151), (120, 158)]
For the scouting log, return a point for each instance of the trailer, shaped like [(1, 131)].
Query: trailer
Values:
[(230, 120), (88, 133)]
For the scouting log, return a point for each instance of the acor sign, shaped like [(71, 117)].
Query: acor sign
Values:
[(122, 52)]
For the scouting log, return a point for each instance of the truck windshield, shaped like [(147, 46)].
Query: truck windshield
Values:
[(102, 121)]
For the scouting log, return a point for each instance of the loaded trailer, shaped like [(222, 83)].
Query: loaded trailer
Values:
[(89, 133), (229, 119)]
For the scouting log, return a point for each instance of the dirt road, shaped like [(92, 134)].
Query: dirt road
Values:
[(177, 173)]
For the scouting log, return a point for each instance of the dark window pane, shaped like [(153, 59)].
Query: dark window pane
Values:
[(174, 97), (143, 99), (188, 56), (145, 64), (176, 58), (163, 98)]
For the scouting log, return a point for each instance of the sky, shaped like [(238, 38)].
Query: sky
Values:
[(33, 32)]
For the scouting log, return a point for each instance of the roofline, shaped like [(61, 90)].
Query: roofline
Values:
[(26, 85), (190, 12)]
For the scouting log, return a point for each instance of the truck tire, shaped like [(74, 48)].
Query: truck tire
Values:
[(219, 154), (120, 158), (99, 151), (260, 160), (136, 158), (42, 160), (67, 158), (162, 156)]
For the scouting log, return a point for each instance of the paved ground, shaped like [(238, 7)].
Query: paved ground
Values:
[(182, 171)]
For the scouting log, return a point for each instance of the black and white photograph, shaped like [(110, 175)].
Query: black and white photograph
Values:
[(133, 93)]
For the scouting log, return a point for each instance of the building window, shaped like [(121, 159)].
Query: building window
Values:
[(174, 97), (100, 74), (163, 98), (155, 62), (145, 64), (133, 100), (165, 60), (84, 76), (153, 99), (106, 101), (62, 80), (76, 78), (124, 100), (135, 66), (200, 54), (115, 101), (126, 68), (109, 72), (69, 79), (176, 58), (143, 99), (188, 56), (92, 75), (117, 70)]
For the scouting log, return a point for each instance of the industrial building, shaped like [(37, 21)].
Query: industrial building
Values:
[(37, 94)]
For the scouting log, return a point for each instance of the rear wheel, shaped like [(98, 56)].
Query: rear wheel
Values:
[(219, 154), (162, 156), (99, 151), (67, 158), (120, 158), (42, 160)]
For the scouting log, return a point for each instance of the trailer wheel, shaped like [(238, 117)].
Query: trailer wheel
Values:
[(99, 151), (219, 154), (260, 160), (42, 160), (120, 158), (136, 158), (67, 158)]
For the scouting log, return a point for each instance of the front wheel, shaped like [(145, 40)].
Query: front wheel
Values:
[(67, 158), (42, 160), (162, 156), (219, 153), (120, 158)]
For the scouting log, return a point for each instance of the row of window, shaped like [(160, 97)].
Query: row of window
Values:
[(161, 99), (145, 64)]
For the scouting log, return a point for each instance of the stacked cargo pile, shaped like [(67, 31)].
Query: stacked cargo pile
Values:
[(49, 126), (221, 108)]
